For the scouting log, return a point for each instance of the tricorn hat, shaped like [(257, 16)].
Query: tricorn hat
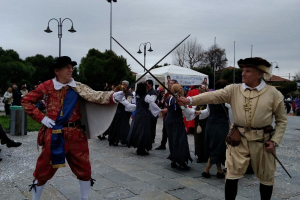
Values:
[(63, 61), (259, 63)]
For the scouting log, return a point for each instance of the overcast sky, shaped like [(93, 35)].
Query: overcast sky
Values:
[(271, 26)]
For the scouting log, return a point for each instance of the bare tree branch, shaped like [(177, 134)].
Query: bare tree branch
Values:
[(190, 54)]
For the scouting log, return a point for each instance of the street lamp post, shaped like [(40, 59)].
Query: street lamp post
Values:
[(150, 50), (110, 1), (60, 23), (276, 66)]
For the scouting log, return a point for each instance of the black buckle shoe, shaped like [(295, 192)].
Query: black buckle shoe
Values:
[(184, 167), (206, 175), (12, 143), (220, 175)]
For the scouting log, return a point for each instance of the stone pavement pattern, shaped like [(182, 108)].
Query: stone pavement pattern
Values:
[(121, 174)]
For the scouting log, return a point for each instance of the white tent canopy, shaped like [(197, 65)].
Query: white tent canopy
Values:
[(183, 75)]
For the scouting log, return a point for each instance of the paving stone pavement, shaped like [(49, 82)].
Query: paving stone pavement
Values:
[(121, 174)]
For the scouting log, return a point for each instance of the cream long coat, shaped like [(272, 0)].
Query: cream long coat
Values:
[(265, 105)]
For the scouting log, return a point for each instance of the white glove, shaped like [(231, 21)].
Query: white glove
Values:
[(118, 96), (48, 122), (149, 99)]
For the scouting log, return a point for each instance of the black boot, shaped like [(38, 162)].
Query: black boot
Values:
[(231, 187), (161, 147), (142, 152), (184, 166), (173, 164), (265, 191), (101, 137), (12, 143)]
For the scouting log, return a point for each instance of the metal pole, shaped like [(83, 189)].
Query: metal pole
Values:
[(59, 35), (110, 24), (234, 62), (145, 55), (251, 50), (215, 64)]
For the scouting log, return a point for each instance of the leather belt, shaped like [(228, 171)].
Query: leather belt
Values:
[(71, 124), (267, 129)]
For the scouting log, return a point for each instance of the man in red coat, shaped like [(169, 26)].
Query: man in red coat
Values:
[(61, 134)]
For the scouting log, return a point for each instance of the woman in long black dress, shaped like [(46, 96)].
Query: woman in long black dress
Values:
[(119, 128), (199, 138), (177, 135), (140, 130), (217, 128)]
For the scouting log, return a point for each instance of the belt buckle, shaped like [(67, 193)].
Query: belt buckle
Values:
[(71, 124)]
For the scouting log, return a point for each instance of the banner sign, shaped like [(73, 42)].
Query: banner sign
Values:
[(188, 80)]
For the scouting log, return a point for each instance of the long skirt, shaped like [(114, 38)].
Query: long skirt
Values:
[(215, 135), (178, 143), (140, 132), (199, 140), (119, 128)]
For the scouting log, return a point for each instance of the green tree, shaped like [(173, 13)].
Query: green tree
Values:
[(215, 54), (228, 75), (285, 87), (42, 68), (208, 71), (13, 69), (98, 68)]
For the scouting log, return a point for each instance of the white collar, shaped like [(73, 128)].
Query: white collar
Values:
[(58, 85), (259, 87)]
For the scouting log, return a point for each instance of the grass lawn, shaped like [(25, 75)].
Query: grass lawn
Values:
[(31, 124)]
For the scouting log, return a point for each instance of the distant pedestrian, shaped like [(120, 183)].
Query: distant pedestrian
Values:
[(17, 95), (7, 100), (24, 90), (297, 105)]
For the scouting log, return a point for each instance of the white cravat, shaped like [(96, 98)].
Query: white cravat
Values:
[(58, 85), (259, 87)]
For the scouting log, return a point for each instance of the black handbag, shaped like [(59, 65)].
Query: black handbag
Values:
[(5, 100)]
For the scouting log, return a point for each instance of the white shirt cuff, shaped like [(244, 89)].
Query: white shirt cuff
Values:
[(191, 100)]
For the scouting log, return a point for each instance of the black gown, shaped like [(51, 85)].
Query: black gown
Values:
[(119, 128), (199, 138), (177, 136), (217, 128), (140, 132)]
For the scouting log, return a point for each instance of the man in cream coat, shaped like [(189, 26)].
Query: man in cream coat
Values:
[(254, 105)]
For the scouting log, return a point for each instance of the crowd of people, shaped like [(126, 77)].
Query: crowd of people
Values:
[(226, 125)]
